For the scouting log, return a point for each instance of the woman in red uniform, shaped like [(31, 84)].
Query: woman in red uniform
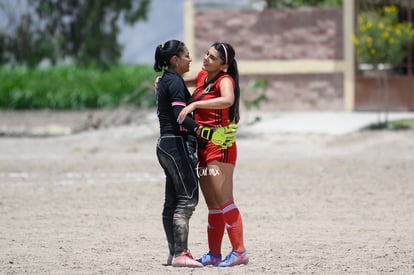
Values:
[(216, 104), (177, 149)]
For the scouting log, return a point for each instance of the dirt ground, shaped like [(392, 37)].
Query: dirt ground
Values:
[(90, 202)]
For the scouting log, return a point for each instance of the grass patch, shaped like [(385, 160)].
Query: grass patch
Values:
[(71, 87), (398, 124)]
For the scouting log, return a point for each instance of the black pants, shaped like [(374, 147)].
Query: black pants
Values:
[(178, 157)]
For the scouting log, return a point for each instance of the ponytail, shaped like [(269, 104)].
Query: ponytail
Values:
[(164, 52), (234, 109)]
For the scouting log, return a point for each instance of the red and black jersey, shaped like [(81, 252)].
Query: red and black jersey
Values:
[(205, 91)]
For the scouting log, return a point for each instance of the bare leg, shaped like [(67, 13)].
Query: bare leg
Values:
[(217, 184)]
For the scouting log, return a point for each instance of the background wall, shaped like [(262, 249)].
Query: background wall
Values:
[(285, 41), (282, 34)]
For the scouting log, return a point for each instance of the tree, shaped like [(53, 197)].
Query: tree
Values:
[(83, 31)]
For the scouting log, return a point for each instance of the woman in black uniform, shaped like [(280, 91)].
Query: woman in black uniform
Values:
[(177, 149)]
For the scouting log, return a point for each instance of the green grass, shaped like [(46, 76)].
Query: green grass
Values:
[(398, 124), (401, 124), (71, 87)]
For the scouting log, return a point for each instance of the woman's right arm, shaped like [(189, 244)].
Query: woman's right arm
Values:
[(190, 81)]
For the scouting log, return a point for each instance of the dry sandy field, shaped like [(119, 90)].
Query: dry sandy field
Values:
[(89, 201)]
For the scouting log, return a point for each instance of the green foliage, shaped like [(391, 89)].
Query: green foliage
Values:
[(72, 87), (253, 96), (302, 3), (255, 93), (84, 32), (399, 124), (380, 38)]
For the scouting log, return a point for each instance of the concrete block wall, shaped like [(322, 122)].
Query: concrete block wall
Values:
[(280, 34), (273, 34), (300, 92)]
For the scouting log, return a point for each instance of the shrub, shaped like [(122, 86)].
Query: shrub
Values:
[(380, 38), (71, 87)]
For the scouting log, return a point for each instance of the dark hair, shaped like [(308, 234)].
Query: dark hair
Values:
[(227, 54), (164, 52)]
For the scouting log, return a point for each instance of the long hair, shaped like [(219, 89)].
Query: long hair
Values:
[(164, 52), (227, 54)]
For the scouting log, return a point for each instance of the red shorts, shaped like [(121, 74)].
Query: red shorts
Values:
[(210, 152)]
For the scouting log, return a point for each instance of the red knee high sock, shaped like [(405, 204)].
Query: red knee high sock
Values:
[(215, 230), (234, 226)]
